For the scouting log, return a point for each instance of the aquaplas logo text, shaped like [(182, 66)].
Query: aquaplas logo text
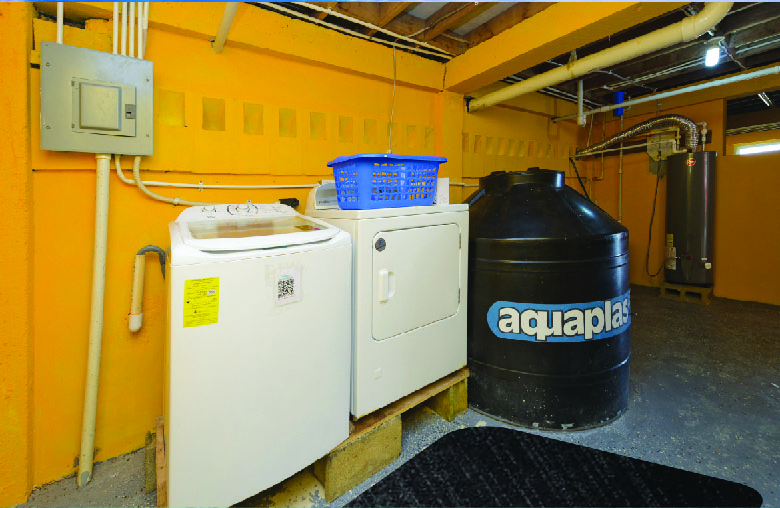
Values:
[(573, 322)]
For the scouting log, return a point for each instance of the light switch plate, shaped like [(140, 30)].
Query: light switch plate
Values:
[(85, 99)]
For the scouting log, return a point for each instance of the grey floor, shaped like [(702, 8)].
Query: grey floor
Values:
[(705, 397)]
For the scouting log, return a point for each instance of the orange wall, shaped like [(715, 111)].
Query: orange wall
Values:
[(513, 138), (747, 219), (16, 354), (742, 208)]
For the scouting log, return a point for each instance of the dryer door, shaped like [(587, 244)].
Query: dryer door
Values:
[(416, 278)]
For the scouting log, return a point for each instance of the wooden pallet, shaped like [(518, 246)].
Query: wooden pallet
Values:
[(374, 440), (685, 293)]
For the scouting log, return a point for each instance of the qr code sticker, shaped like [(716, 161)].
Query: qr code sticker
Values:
[(285, 288)]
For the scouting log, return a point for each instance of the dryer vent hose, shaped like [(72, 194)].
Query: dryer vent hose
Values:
[(659, 122), (137, 298)]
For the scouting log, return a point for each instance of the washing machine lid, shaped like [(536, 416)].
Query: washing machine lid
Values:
[(231, 228)]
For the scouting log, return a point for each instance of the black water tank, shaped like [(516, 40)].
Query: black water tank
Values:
[(548, 310)]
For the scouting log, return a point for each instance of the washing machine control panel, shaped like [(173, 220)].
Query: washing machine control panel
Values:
[(247, 209)]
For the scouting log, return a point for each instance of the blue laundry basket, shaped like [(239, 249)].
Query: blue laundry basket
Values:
[(379, 180)]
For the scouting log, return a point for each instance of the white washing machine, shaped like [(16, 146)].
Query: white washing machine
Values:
[(258, 357), (409, 296)]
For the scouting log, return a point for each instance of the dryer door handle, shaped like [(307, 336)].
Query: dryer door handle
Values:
[(385, 285)]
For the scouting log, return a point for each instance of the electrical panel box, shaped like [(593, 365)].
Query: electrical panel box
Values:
[(95, 102)]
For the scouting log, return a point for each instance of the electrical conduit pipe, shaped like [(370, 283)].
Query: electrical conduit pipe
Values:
[(685, 30), (96, 320)]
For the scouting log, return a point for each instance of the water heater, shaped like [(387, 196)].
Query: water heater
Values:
[(690, 200)]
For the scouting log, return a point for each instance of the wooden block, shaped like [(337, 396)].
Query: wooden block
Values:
[(161, 464), (684, 293), (357, 459), (451, 402), (150, 470), (408, 402)]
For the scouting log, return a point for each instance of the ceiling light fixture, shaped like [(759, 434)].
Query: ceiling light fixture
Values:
[(712, 57), (764, 97)]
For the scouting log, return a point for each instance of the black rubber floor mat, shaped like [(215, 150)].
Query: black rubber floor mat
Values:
[(493, 466)]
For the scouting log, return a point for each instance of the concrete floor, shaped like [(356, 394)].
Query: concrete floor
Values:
[(705, 397)]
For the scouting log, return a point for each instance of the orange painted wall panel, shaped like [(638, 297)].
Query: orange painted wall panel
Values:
[(747, 219), (16, 256)]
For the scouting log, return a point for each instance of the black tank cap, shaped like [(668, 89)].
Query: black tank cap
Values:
[(502, 181)]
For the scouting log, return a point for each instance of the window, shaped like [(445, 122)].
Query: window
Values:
[(761, 147)]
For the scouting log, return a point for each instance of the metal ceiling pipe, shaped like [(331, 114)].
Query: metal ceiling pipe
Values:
[(224, 26), (685, 30), (694, 88)]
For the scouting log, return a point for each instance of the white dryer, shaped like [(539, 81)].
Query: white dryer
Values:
[(409, 297), (258, 357)]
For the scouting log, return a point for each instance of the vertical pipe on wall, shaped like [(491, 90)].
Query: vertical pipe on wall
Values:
[(60, 20), (96, 320), (581, 119), (131, 31), (115, 20), (124, 28), (620, 177), (139, 28)]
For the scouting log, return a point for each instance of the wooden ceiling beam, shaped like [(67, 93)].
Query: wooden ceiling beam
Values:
[(452, 14), (364, 11), (387, 12), (507, 19), (406, 24), (756, 14), (402, 24)]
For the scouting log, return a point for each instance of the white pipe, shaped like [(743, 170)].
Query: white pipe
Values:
[(685, 30), (224, 26), (581, 119), (439, 52), (96, 320), (174, 201), (115, 19), (122, 177), (131, 31), (694, 88), (140, 24), (60, 20), (137, 297), (620, 177), (145, 28), (124, 28)]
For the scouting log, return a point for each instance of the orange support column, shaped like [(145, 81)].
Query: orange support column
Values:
[(16, 254)]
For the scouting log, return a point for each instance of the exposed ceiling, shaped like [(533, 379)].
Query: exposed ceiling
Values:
[(750, 32)]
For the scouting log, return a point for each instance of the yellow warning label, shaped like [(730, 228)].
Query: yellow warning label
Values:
[(669, 240), (201, 301)]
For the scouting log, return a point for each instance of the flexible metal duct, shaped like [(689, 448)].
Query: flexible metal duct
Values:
[(659, 122)]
